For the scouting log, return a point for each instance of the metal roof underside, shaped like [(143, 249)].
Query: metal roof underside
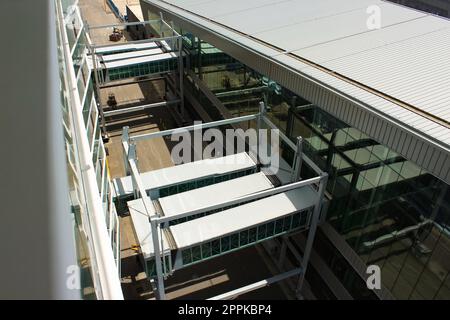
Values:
[(392, 83)]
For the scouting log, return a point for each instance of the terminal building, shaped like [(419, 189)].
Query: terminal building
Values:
[(363, 120)]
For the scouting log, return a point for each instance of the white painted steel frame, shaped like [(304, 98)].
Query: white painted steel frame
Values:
[(109, 278), (156, 221)]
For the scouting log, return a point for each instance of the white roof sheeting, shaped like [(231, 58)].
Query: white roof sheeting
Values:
[(139, 60), (407, 59), (186, 172), (131, 54), (222, 223), (214, 194)]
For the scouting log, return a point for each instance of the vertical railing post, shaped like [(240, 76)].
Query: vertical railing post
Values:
[(312, 231), (159, 273), (126, 146), (259, 122), (181, 75), (199, 59), (161, 33), (132, 156), (282, 255), (297, 165)]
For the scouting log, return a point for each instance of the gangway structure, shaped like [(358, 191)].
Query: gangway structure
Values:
[(146, 60), (216, 213)]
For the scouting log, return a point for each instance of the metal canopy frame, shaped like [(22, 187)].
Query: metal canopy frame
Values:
[(158, 222), (177, 46)]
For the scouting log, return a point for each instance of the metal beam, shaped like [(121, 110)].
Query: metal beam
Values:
[(112, 84), (159, 272), (133, 42), (181, 76), (240, 91), (297, 160), (140, 108), (125, 24), (194, 127), (126, 147), (312, 230), (257, 285)]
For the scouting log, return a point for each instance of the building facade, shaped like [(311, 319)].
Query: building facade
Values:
[(385, 210)]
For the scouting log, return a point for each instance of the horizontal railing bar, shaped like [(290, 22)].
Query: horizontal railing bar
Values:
[(240, 91), (193, 127), (113, 83), (124, 24), (94, 46), (257, 285), (139, 108), (137, 178)]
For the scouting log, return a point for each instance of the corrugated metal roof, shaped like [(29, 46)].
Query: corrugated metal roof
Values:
[(408, 58), (399, 73)]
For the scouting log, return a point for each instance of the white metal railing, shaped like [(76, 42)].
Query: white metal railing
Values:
[(157, 221), (103, 254)]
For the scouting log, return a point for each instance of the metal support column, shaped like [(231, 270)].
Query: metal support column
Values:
[(297, 165), (312, 231), (181, 75), (259, 123), (199, 59), (132, 156), (290, 121), (161, 295), (282, 255), (126, 144)]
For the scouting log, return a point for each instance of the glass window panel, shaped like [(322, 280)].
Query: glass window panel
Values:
[(262, 232), (287, 223), (186, 256), (164, 192), (252, 235), (296, 220), (235, 241), (225, 244), (196, 253), (304, 218), (216, 247), (151, 268), (206, 250), (279, 226), (270, 228), (172, 190), (243, 238)]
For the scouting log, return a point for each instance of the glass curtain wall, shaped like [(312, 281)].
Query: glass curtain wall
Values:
[(389, 210)]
